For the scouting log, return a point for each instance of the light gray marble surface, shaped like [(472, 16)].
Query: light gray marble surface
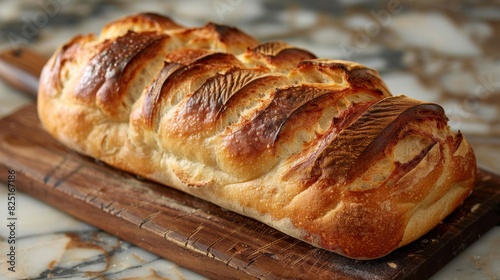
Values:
[(444, 53)]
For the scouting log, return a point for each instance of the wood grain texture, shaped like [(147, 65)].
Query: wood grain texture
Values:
[(21, 68), (204, 237)]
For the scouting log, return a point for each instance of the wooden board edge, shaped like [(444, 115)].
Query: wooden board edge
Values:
[(180, 255)]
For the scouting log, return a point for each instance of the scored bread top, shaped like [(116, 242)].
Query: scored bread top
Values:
[(317, 148)]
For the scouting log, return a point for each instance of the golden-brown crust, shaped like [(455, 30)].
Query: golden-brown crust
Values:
[(317, 148)]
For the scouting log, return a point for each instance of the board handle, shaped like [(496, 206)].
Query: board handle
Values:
[(21, 68)]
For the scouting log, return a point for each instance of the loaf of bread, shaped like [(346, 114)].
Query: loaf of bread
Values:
[(316, 148)]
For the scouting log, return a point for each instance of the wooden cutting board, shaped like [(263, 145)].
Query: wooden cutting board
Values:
[(204, 237)]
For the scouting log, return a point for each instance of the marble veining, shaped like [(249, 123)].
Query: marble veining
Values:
[(445, 52)]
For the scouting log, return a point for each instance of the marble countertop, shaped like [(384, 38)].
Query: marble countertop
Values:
[(440, 51)]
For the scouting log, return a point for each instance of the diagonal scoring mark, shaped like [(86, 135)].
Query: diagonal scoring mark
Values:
[(235, 253), (89, 198), (209, 248), (149, 218), (111, 207), (105, 207), (167, 232), (54, 169), (238, 251), (200, 227), (259, 251), (135, 206), (249, 264), (316, 261), (67, 176), (184, 215), (295, 242), (301, 258), (66, 168), (329, 262)]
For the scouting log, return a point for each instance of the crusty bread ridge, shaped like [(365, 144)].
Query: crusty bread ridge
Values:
[(317, 148)]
